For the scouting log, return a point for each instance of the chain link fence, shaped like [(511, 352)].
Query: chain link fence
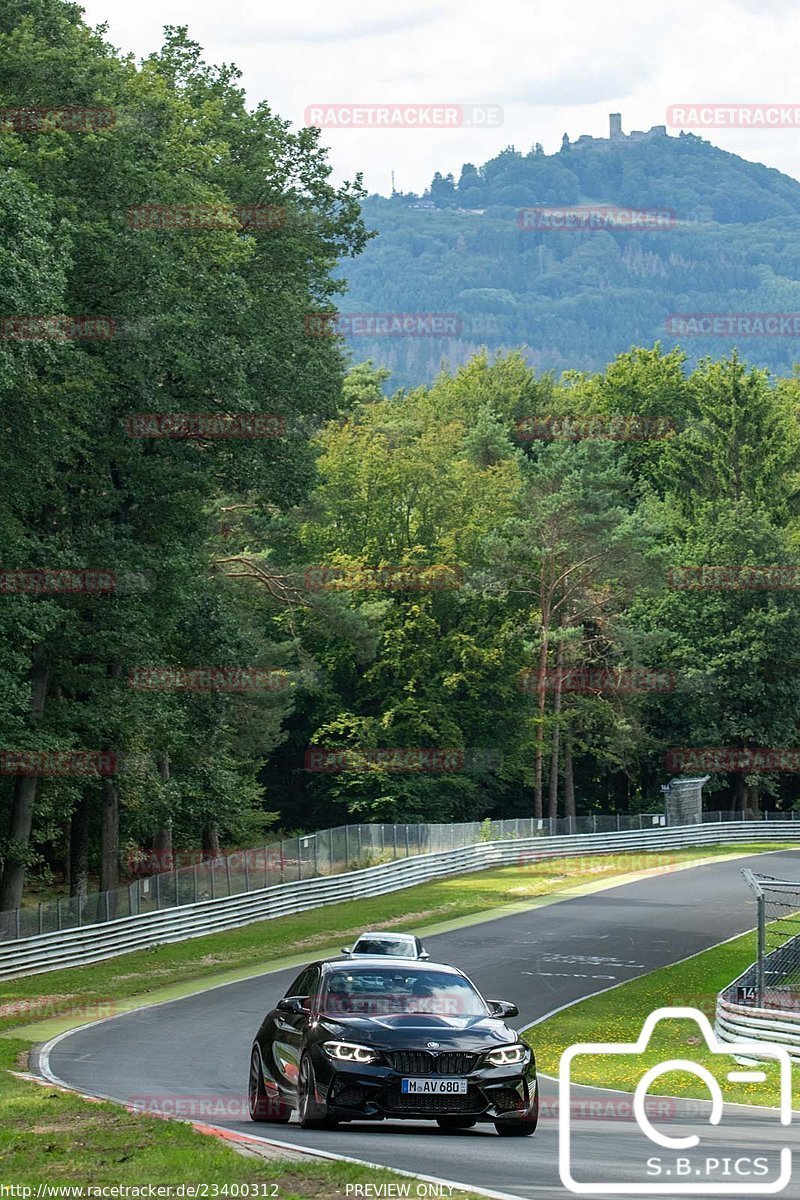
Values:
[(325, 852), (774, 979)]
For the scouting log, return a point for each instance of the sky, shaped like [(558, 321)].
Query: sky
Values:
[(545, 69)]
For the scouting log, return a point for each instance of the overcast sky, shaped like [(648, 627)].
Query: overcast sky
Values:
[(553, 68)]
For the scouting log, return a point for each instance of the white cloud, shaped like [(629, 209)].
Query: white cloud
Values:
[(553, 68)]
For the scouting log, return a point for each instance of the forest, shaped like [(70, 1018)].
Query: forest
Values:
[(575, 299), (249, 585)]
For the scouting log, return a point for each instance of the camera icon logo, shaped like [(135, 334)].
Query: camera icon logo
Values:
[(678, 1171)]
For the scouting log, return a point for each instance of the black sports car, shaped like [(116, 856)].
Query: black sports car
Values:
[(384, 1038)]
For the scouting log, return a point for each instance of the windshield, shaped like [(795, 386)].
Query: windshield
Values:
[(397, 947), (380, 992)]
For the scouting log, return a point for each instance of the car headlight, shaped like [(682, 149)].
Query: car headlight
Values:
[(508, 1056), (349, 1052)]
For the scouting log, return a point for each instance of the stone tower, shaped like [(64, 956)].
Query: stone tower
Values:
[(614, 125)]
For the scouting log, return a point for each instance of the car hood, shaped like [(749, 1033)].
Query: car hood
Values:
[(407, 1031)]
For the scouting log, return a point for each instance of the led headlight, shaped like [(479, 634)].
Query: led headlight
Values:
[(508, 1056), (349, 1052)]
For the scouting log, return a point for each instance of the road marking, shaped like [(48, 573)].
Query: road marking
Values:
[(565, 975)]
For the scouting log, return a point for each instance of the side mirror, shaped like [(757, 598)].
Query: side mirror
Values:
[(503, 1008), (347, 951), (424, 955), (292, 1004)]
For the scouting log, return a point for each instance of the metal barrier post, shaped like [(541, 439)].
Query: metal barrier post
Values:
[(762, 947)]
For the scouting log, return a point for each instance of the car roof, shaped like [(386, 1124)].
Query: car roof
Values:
[(387, 960), (382, 933)]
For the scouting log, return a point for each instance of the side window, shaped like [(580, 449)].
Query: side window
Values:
[(305, 984), (312, 983)]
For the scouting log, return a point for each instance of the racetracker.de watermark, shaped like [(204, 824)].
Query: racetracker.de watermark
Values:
[(734, 578), (554, 862), (733, 116), (732, 758), (205, 425), (208, 679), (57, 581), (247, 217), (197, 1107), (406, 758), (58, 1006), (386, 324), (589, 679), (56, 329), (404, 116), (392, 578), (160, 862), (67, 120), (616, 428), (58, 762), (733, 324), (582, 217)]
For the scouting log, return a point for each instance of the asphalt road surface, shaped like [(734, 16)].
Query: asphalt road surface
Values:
[(196, 1050)]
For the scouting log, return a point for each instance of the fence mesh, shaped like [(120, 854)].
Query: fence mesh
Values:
[(776, 977), (324, 852)]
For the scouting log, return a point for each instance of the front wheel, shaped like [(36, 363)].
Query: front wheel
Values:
[(456, 1122), (312, 1113), (263, 1107)]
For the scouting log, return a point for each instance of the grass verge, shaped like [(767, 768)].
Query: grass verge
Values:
[(51, 1137), (619, 1014)]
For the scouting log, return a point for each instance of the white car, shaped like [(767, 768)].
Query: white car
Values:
[(396, 945)]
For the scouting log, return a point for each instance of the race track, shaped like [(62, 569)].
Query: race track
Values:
[(199, 1046)]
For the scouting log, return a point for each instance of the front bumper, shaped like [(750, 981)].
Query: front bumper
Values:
[(373, 1092)]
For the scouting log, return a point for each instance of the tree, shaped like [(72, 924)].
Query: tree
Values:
[(570, 556), (211, 320)]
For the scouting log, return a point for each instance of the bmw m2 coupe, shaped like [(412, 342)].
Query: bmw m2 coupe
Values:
[(376, 1039)]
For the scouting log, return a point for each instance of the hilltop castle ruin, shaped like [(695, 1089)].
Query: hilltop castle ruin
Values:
[(615, 135)]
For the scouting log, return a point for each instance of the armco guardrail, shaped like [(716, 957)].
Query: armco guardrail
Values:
[(741, 1022), (774, 1021), (160, 881), (73, 947)]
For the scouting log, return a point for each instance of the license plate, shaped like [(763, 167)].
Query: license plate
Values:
[(434, 1087)]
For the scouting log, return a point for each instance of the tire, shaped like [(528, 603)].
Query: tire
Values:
[(311, 1113), (520, 1126), (262, 1107), (456, 1122)]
